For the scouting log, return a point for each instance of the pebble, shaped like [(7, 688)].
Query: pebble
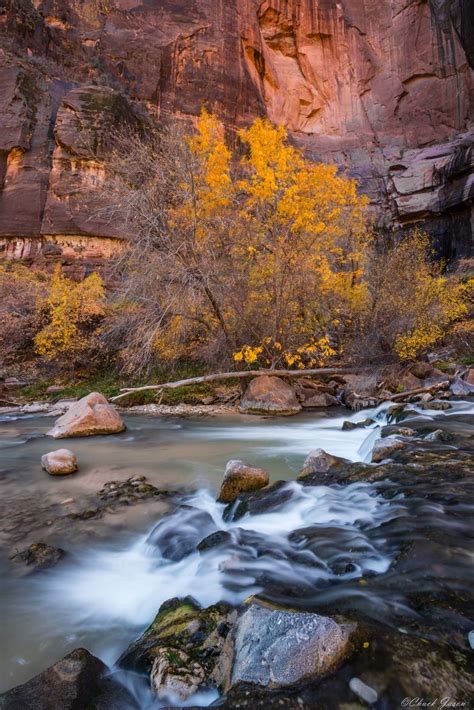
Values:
[(363, 691), (470, 636)]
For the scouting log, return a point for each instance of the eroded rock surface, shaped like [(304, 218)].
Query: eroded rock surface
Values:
[(276, 648)]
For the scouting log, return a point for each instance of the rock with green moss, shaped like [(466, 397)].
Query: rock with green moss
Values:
[(182, 625)]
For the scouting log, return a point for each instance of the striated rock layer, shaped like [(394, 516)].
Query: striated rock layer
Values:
[(382, 87)]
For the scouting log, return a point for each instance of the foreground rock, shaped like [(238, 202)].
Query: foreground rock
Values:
[(60, 462), (269, 395), (275, 648), (76, 681), (90, 416), (239, 477), (179, 649), (38, 556)]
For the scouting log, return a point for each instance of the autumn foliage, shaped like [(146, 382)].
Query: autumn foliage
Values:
[(49, 315), (249, 256), (243, 253)]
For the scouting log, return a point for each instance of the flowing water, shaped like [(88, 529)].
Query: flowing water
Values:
[(319, 547)]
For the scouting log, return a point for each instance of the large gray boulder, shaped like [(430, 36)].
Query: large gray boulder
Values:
[(239, 478), (269, 395), (276, 649), (90, 416)]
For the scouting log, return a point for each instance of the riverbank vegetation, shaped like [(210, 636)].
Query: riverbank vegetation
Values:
[(243, 254)]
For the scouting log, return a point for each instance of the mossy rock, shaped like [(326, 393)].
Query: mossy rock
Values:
[(184, 625)]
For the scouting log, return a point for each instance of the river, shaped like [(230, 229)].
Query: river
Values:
[(111, 584)]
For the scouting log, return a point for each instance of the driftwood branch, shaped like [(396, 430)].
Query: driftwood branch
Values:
[(420, 390), (217, 377)]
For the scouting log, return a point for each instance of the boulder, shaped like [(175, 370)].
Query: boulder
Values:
[(239, 478), (275, 648), (269, 395), (383, 448), (461, 388), (76, 681), (408, 381), (320, 399), (469, 376), (38, 556), (319, 461), (90, 416), (59, 462), (175, 675)]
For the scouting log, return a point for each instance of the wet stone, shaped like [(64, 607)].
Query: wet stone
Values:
[(38, 556)]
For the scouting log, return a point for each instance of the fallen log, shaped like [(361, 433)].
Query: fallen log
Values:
[(420, 390), (219, 376)]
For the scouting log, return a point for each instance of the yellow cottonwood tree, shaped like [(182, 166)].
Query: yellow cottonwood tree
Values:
[(68, 307), (259, 256)]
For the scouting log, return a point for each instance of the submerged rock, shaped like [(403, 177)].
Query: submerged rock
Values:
[(91, 415), (216, 539), (269, 395), (436, 405), (38, 556), (76, 681), (60, 462), (349, 426), (239, 477), (174, 674), (383, 448), (276, 648), (178, 534), (439, 435)]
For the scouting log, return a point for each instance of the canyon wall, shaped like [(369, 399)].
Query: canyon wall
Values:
[(382, 87)]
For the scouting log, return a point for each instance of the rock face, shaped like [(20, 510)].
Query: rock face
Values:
[(382, 87), (275, 648), (59, 462), (269, 395), (239, 478), (76, 681), (89, 416)]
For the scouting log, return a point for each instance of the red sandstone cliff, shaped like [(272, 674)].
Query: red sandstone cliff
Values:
[(383, 87)]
